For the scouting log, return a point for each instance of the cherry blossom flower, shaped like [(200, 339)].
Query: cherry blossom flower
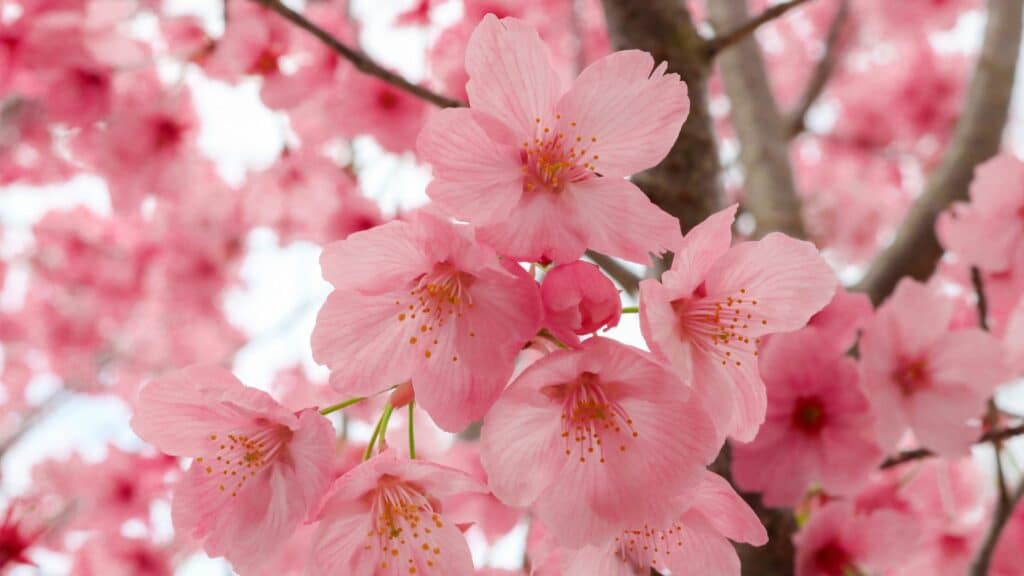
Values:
[(383, 517), (601, 430), (840, 540), (541, 169), (258, 471), (578, 299), (708, 313), (919, 375), (819, 427), (695, 544), (450, 315)]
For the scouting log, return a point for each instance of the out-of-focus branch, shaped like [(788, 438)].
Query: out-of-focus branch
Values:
[(1002, 514), (915, 250), (744, 28), (919, 453), (685, 184), (358, 59), (822, 71), (761, 130), (629, 281)]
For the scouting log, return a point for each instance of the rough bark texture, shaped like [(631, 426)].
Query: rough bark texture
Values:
[(915, 250), (762, 130), (686, 184)]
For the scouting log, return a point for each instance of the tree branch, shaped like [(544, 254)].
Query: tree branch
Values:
[(738, 33), (981, 562), (358, 59), (919, 453), (915, 250), (762, 132), (685, 184), (822, 71), (629, 281)]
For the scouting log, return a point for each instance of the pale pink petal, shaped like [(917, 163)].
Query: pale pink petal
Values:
[(627, 113), (919, 314), (733, 393), (703, 551), (787, 278), (970, 358), (940, 417), (510, 74), (977, 239), (595, 561), (726, 512), (535, 424), (1013, 340), (351, 331), (339, 544), (543, 227), (613, 210), (703, 245), (380, 256), (476, 178), (660, 328), (180, 410)]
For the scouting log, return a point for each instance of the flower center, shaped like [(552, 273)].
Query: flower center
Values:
[(833, 560), (809, 415), (725, 327), (911, 376), (435, 299), (403, 526), (554, 159), (645, 548), (237, 457), (590, 417)]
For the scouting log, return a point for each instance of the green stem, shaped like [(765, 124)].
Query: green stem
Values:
[(630, 309), (341, 405), (412, 432), (551, 338), (378, 432)]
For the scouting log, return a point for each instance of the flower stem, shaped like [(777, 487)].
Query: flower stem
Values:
[(412, 432), (378, 431), (630, 309), (341, 405)]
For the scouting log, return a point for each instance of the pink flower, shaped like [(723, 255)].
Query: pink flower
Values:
[(708, 313), (259, 469), (839, 324), (919, 375), (115, 555), (988, 231), (818, 430), (424, 301), (383, 517), (694, 545), (493, 517), (578, 299), (598, 439), (839, 540), (541, 169)]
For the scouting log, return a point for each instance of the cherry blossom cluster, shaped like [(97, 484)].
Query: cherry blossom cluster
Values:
[(480, 382)]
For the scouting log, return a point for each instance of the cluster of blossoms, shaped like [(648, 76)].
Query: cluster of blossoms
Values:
[(474, 335)]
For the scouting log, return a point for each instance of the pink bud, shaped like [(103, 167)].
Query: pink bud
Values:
[(403, 395), (578, 299)]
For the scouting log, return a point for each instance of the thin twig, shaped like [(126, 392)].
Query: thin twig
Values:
[(822, 71), (919, 453), (981, 562), (741, 32), (629, 281), (358, 59), (979, 291)]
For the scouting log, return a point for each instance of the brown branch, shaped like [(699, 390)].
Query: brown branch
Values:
[(685, 184), (760, 128), (740, 32), (358, 59), (822, 71), (981, 562), (629, 281), (915, 251), (919, 453)]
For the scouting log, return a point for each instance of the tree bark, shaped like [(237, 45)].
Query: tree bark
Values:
[(762, 130), (686, 184)]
